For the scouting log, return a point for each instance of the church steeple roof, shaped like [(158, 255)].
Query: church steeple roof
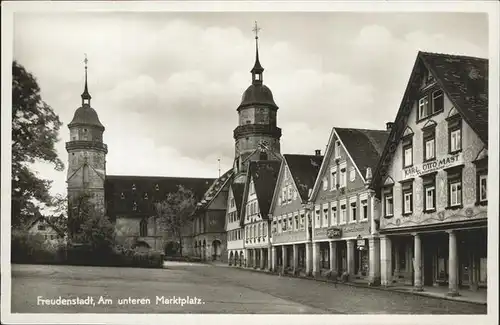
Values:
[(257, 69), (86, 95), (86, 115)]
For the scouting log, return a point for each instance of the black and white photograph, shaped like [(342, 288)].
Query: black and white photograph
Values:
[(191, 161)]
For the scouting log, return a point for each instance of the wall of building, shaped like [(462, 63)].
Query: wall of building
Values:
[(235, 235), (471, 147)]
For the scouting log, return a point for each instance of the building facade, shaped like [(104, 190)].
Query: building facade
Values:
[(234, 231), (259, 188), (344, 210), (432, 177), (291, 246)]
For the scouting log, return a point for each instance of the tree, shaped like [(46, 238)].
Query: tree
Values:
[(175, 212), (35, 130), (88, 226)]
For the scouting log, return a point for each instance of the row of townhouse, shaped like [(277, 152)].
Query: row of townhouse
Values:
[(403, 205)]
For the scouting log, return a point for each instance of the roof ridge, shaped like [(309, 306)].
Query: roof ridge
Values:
[(360, 129), (453, 55)]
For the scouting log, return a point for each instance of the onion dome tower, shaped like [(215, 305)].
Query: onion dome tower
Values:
[(257, 114), (86, 153)]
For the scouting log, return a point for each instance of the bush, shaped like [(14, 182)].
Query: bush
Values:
[(33, 249)]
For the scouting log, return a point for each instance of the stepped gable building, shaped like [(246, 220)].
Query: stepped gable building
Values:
[(432, 177), (257, 196), (257, 137), (344, 211), (127, 200), (290, 219)]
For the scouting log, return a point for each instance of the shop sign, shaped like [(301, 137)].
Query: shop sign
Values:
[(432, 166), (334, 232), (361, 242)]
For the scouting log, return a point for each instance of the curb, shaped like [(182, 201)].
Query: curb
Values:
[(351, 284)]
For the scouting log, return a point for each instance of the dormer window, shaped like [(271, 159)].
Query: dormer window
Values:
[(122, 196), (133, 187), (157, 187), (146, 196), (134, 206)]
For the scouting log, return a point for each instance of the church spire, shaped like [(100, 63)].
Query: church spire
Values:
[(86, 95), (257, 69)]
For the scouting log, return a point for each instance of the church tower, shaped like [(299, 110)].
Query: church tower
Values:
[(86, 153), (257, 114)]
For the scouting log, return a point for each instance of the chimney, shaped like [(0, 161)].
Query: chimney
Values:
[(368, 175), (389, 125), (318, 152)]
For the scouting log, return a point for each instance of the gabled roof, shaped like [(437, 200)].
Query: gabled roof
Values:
[(464, 80), (39, 217), (145, 190), (265, 175), (214, 190), (364, 146), (304, 170), (238, 189)]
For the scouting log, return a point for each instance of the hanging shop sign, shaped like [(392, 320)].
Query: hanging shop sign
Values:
[(333, 232), (432, 166), (360, 242)]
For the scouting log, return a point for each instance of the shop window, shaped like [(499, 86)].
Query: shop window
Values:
[(429, 183), (407, 188), (388, 202)]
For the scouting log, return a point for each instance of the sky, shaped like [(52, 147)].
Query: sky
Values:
[(167, 85)]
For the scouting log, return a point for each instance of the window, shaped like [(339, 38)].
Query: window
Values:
[(146, 196), (41, 227), (343, 178), (157, 187), (325, 217), (342, 213), (290, 223), (334, 215), (232, 203), (407, 188), (133, 187), (296, 222), (388, 202), (134, 206), (337, 149), (454, 186), (333, 179), (407, 155), (318, 219), (289, 193), (437, 101), (143, 228), (325, 183), (352, 175), (364, 209), (353, 211), (251, 188), (454, 133), (302, 221), (429, 144), (455, 193), (122, 196), (294, 194), (483, 188), (429, 183), (423, 105)]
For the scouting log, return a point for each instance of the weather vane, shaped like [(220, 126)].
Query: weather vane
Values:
[(256, 30)]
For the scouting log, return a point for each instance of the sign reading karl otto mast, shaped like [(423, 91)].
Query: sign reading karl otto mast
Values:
[(432, 166)]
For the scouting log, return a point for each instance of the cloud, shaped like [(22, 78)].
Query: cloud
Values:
[(167, 88)]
